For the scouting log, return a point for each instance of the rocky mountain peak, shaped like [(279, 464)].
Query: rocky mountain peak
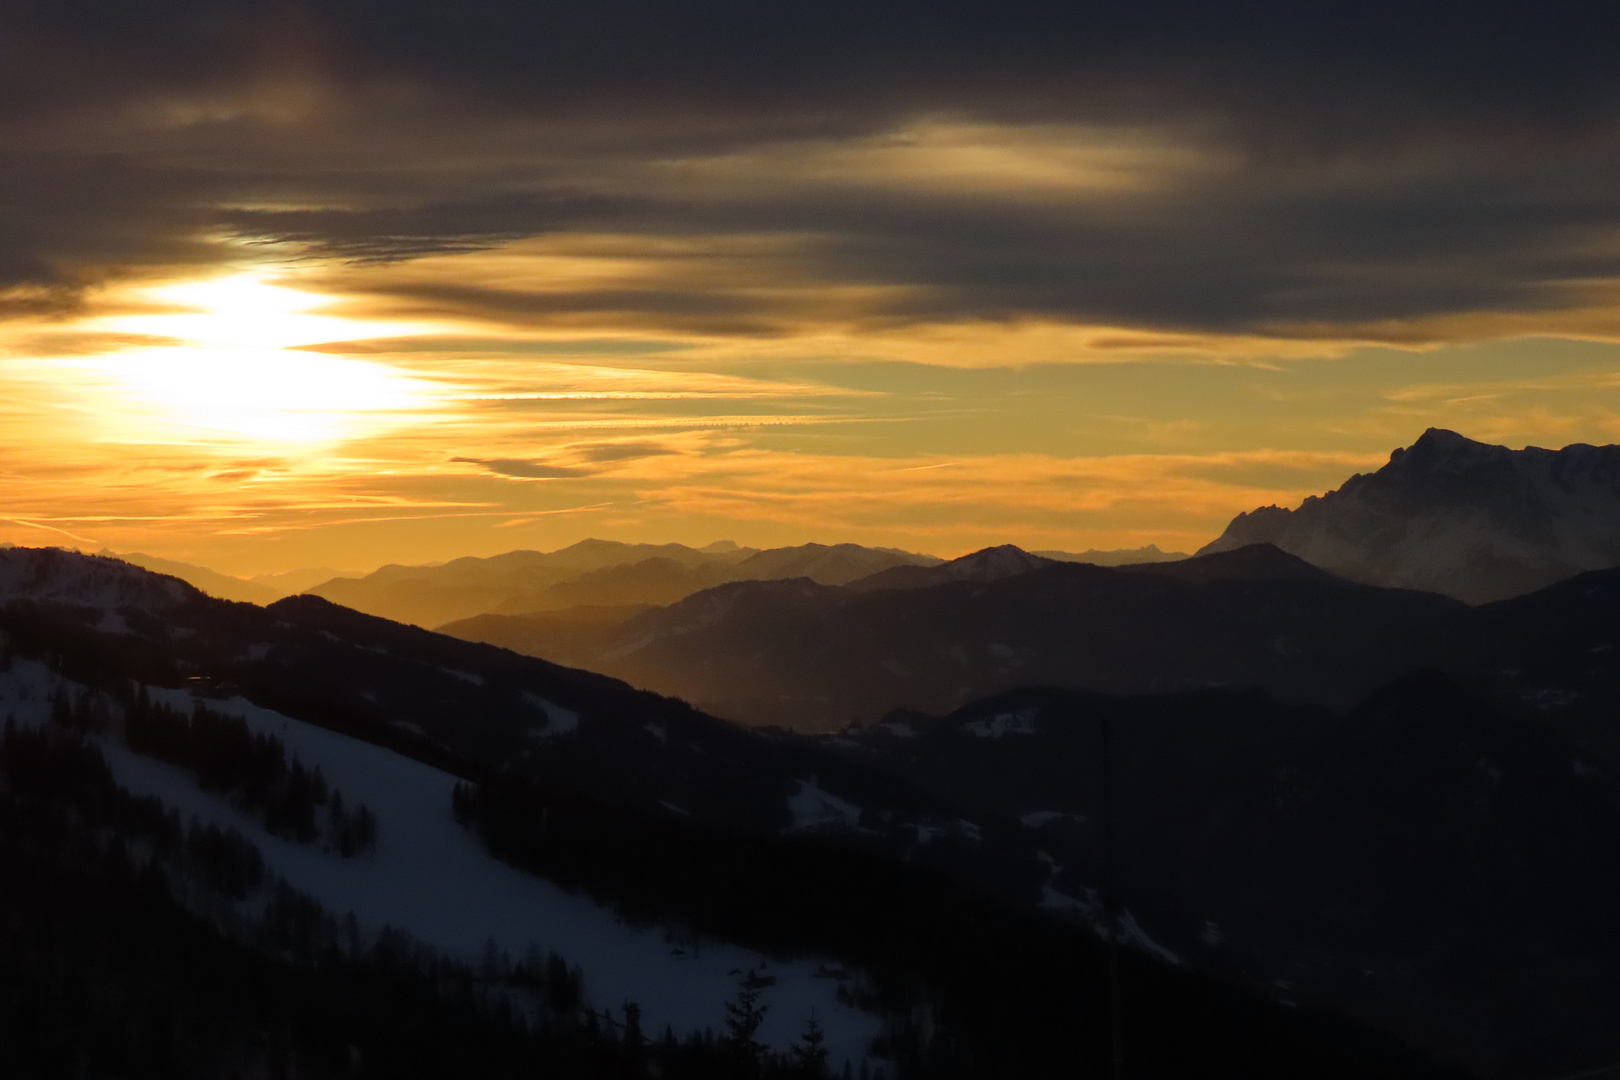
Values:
[(1449, 514)]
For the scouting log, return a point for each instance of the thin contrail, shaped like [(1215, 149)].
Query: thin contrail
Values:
[(52, 528)]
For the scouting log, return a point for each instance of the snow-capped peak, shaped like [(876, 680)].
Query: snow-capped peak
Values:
[(1451, 515)]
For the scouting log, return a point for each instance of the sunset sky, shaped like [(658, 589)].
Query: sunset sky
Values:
[(346, 282)]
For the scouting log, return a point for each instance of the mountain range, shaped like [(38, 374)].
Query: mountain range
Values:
[(817, 657), (1447, 514), (591, 573), (1457, 517)]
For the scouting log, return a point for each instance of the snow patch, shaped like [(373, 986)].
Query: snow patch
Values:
[(559, 721), (1016, 723), (113, 623), (1131, 933), (1054, 900), (811, 806)]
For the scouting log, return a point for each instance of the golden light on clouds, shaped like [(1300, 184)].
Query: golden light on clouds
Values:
[(941, 155), (355, 413)]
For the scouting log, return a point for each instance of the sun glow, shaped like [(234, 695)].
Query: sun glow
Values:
[(232, 365)]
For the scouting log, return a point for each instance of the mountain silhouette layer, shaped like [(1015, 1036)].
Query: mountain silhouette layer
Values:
[(594, 573), (800, 654), (818, 658)]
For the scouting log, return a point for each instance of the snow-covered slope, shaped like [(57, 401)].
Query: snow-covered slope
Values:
[(1458, 517), (50, 575), (432, 878)]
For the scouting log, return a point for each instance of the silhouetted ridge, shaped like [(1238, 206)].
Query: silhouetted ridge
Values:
[(1254, 562), (593, 573), (988, 564)]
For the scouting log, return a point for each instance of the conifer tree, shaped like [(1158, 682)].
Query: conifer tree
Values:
[(632, 1027), (810, 1052), (744, 1014)]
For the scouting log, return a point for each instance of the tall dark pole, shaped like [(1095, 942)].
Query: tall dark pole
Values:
[(1111, 903)]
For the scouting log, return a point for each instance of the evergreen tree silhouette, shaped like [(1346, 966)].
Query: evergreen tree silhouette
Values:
[(810, 1052), (744, 1014)]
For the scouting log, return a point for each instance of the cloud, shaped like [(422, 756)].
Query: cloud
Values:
[(625, 451), (524, 470), (1366, 170)]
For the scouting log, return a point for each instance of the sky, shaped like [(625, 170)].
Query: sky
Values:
[(345, 282)]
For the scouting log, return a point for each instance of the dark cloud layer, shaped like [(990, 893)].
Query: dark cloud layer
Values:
[(1382, 161), (1492, 61)]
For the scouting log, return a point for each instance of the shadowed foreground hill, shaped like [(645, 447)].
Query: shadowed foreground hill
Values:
[(1426, 861), (712, 836)]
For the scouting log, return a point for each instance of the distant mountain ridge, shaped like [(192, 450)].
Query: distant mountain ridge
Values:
[(990, 564), (1116, 557), (802, 654), (595, 573), (591, 573), (799, 654), (259, 589), (1450, 515)]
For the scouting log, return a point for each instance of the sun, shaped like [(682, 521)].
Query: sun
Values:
[(235, 363)]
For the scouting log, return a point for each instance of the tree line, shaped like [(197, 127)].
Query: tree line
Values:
[(227, 758)]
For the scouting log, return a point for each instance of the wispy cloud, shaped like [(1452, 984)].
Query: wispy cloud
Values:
[(525, 470)]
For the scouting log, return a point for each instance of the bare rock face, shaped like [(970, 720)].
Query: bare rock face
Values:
[(1450, 515)]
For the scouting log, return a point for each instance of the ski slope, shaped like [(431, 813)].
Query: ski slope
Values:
[(432, 877)]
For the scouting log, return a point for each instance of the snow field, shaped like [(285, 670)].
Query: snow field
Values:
[(431, 877)]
